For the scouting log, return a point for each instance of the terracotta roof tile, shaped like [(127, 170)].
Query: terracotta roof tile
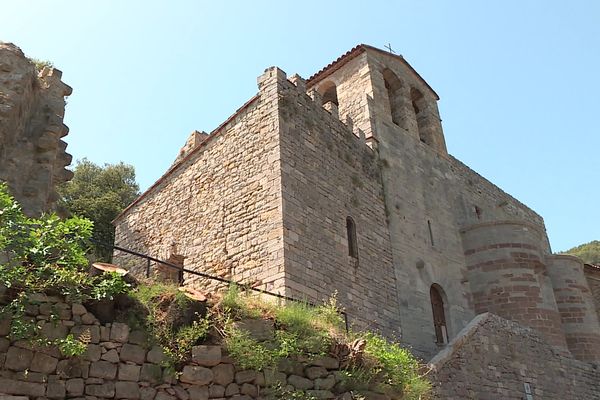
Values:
[(353, 53)]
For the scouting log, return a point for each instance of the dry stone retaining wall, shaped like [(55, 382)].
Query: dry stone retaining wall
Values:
[(121, 364)]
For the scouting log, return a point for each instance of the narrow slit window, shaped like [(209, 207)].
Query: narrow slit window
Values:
[(430, 233), (352, 243)]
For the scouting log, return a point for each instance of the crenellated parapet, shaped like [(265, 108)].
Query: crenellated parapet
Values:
[(33, 155)]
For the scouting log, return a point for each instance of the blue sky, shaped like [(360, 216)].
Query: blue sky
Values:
[(518, 80)]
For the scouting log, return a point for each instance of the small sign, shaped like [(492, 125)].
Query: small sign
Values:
[(528, 393)]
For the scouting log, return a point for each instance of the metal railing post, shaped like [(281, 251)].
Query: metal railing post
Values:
[(148, 267)]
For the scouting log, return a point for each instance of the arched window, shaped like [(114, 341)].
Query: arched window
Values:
[(328, 91), (418, 104), (352, 243), (439, 316), (393, 86)]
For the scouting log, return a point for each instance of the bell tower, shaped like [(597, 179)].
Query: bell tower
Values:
[(378, 90)]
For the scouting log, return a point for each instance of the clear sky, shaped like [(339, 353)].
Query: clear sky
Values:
[(518, 80)]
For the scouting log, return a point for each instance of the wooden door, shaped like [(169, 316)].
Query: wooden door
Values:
[(439, 317)]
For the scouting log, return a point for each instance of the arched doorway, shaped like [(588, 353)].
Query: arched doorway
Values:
[(439, 315)]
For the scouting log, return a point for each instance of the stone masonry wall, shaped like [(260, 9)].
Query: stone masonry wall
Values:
[(32, 154), (329, 174), (429, 197), (219, 207), (592, 274), (121, 363), (493, 358)]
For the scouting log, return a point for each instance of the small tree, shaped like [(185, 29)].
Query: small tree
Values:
[(99, 194)]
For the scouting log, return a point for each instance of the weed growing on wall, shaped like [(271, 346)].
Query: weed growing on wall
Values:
[(168, 315)]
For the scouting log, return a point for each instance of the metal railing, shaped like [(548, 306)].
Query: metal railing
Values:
[(181, 270)]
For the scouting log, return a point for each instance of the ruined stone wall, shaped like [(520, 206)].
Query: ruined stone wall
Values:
[(329, 174), (220, 206), (493, 358), (32, 154), (121, 363)]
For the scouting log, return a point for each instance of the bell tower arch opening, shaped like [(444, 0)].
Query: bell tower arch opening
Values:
[(393, 86), (328, 91), (419, 106)]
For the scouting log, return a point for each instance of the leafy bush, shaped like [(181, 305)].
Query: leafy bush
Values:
[(109, 285), (44, 255), (71, 347)]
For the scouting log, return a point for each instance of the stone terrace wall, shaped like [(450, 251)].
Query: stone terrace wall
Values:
[(120, 364), (219, 206), (329, 174), (32, 154), (493, 358)]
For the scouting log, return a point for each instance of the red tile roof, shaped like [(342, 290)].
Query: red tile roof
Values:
[(353, 53)]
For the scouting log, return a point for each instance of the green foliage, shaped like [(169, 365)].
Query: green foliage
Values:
[(21, 326), (588, 252), (278, 391), (40, 64), (70, 346), (162, 314), (189, 335), (393, 365), (248, 353), (301, 329), (108, 286), (99, 193), (43, 255)]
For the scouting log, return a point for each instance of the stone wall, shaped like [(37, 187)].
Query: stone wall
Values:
[(575, 303), (219, 206), (121, 363), (508, 276), (265, 199), (328, 175), (592, 274), (32, 154), (493, 358)]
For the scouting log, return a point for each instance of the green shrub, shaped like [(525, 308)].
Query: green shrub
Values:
[(44, 255), (395, 366), (248, 353), (70, 346), (109, 285)]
